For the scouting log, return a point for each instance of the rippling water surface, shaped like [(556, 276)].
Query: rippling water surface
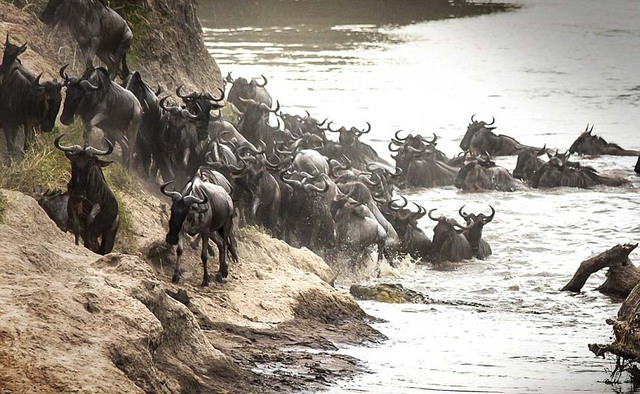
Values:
[(543, 71)]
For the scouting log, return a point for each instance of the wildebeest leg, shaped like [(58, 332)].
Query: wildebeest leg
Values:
[(109, 237), (225, 234), (86, 134), (203, 257), (29, 137), (176, 269), (10, 138)]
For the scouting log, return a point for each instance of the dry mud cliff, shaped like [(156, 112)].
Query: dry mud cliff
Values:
[(74, 321)]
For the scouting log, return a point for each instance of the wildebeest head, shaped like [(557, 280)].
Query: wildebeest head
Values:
[(473, 128), (349, 137), (445, 230), (51, 92), (84, 162), (589, 144), (201, 104), (91, 82), (10, 55), (475, 223), (528, 163), (241, 88), (181, 206)]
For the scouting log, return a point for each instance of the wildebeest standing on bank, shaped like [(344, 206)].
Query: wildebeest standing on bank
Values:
[(25, 101), (101, 103), (206, 210), (588, 144), (92, 207), (98, 29)]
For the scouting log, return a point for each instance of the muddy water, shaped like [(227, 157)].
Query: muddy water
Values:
[(543, 71)]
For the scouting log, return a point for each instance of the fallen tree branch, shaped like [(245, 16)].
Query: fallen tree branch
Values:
[(621, 278)]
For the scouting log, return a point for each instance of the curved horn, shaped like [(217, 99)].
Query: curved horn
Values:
[(421, 211), (367, 130), (391, 149), (314, 188), (63, 73), (392, 204), (248, 101), (72, 149), (265, 81), (462, 213), (37, 81), (329, 128), (191, 199), (461, 227), (543, 150), (431, 217), (163, 105), (173, 194), (490, 217), (88, 86), (493, 120), (178, 93), (591, 129), (98, 152), (158, 91), (208, 96), (397, 136), (188, 115), (472, 120)]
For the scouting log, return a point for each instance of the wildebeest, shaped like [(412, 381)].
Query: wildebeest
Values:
[(98, 29), (242, 89), (528, 163), (555, 173), (588, 144), (148, 142), (103, 104), (473, 233), (481, 173), (92, 206), (54, 203), (449, 244), (359, 153), (480, 139), (413, 240), (26, 102), (206, 210)]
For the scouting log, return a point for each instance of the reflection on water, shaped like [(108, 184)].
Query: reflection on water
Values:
[(543, 71)]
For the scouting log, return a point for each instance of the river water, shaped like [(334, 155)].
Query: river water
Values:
[(543, 70)]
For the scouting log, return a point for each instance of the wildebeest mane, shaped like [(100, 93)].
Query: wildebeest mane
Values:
[(83, 10)]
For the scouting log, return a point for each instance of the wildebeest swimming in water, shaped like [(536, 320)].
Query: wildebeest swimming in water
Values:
[(588, 144), (98, 29), (557, 173), (480, 139)]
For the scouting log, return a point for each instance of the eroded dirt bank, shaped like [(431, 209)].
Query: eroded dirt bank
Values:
[(71, 320)]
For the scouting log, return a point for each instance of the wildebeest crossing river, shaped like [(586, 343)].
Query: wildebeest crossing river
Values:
[(543, 71)]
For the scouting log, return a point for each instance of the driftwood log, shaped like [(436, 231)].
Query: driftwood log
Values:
[(622, 276)]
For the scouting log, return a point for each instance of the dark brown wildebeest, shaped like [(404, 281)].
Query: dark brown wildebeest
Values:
[(480, 139), (588, 144), (92, 207), (98, 29), (473, 234), (555, 173)]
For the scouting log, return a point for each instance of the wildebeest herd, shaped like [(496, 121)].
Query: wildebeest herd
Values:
[(337, 198)]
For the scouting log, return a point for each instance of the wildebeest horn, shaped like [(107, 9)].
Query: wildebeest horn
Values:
[(188, 115), (417, 150), (178, 93), (461, 227), (159, 90), (472, 120), (493, 120), (98, 152), (431, 217), (208, 96), (490, 218), (37, 81), (365, 131), (277, 107), (462, 213), (591, 129), (88, 86), (163, 103), (391, 149), (542, 151), (191, 199), (392, 204), (248, 101), (314, 188), (173, 194), (72, 149), (63, 73), (331, 130), (265, 81), (421, 211), (397, 136)]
